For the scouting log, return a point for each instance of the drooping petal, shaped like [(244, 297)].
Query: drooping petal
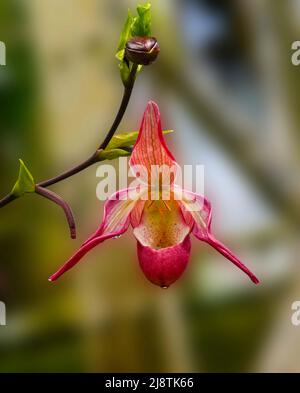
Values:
[(84, 250), (115, 221), (199, 209), (222, 249), (150, 149), (164, 266)]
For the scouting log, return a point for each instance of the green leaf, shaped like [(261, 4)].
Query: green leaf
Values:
[(111, 154), (124, 37), (141, 25), (25, 182), (126, 140)]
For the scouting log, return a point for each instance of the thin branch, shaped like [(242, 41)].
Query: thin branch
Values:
[(7, 199), (63, 204), (125, 100), (94, 157), (73, 171)]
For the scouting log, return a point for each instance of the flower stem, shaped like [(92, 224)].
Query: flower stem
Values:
[(94, 157), (63, 204), (78, 168), (7, 199), (124, 103)]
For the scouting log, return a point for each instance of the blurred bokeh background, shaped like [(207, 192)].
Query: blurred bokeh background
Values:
[(226, 85)]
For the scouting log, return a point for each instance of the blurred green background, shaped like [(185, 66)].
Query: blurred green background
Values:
[(226, 85)]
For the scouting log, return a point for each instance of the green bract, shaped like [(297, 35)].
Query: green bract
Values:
[(124, 37), (126, 140), (25, 182), (139, 25), (118, 145), (111, 154)]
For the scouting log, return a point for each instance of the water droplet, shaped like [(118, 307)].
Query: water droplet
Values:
[(117, 237), (164, 286)]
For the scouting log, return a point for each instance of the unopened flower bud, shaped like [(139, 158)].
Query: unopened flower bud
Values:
[(142, 50)]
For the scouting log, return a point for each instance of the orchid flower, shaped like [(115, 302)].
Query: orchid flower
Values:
[(162, 227)]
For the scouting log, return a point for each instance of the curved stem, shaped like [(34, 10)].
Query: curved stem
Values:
[(94, 157), (78, 168), (124, 103), (7, 199), (63, 204)]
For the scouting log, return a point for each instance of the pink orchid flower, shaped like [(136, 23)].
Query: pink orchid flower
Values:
[(162, 227)]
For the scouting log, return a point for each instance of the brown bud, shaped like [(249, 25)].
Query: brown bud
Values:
[(142, 50)]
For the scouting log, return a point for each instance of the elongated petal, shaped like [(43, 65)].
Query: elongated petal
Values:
[(164, 266), (82, 251), (199, 209), (150, 149), (222, 249), (115, 222)]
